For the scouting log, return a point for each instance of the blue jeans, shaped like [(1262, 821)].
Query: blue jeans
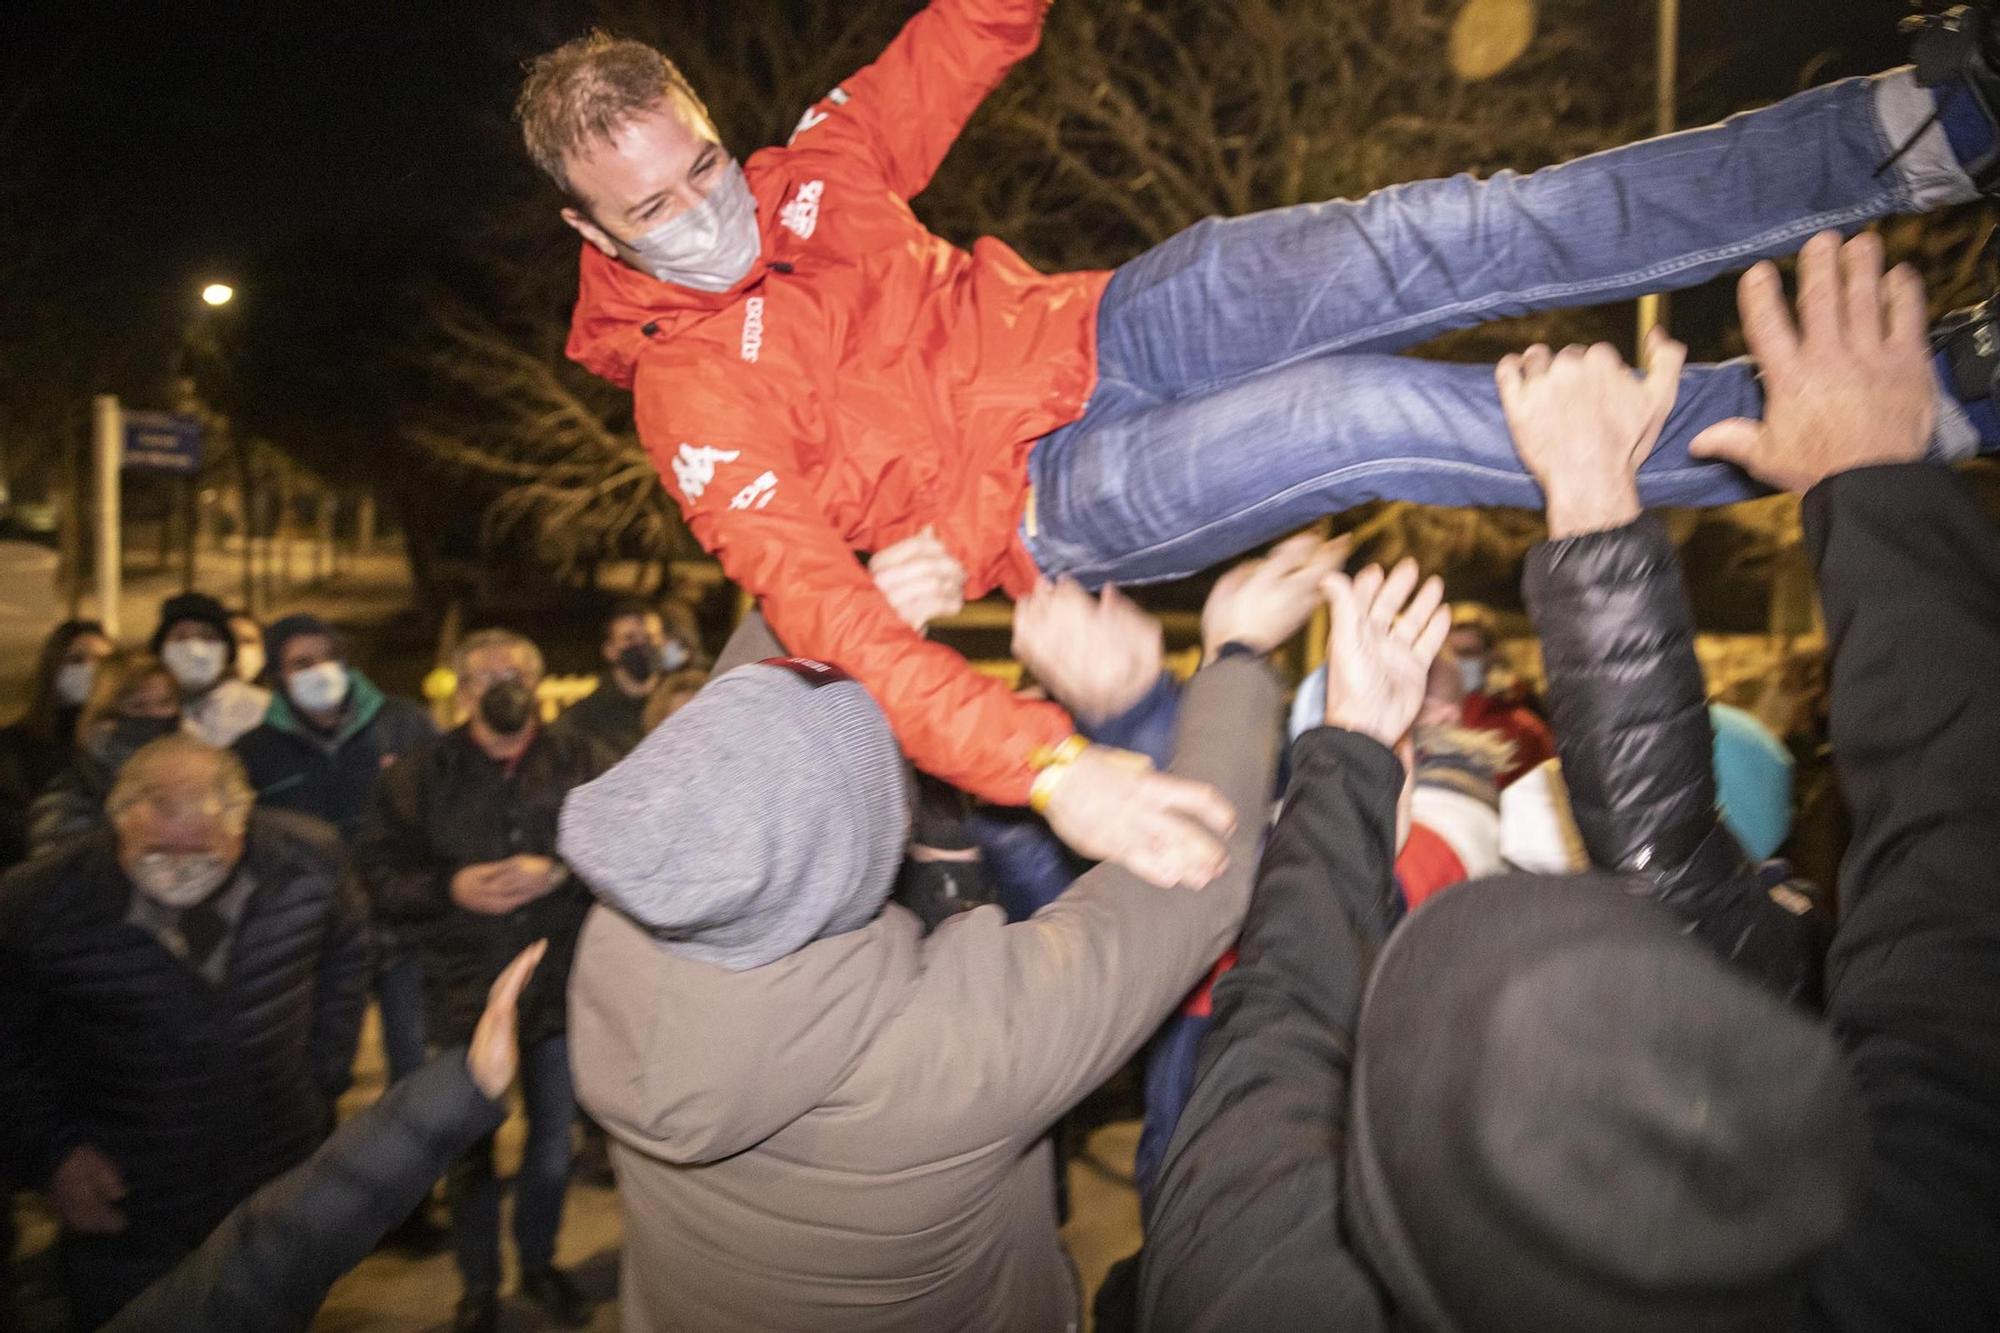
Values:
[(1247, 377), (474, 1192), (399, 993)]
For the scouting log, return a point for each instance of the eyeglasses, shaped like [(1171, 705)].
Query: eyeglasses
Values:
[(486, 680)]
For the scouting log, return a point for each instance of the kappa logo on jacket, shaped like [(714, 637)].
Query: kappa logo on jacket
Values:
[(753, 328), (695, 468), (801, 216), (814, 117), (757, 494)]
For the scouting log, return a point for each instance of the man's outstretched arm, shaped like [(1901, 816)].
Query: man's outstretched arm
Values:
[(1910, 579), (1244, 1227), (904, 112), (269, 1264), (1909, 574), (1624, 685)]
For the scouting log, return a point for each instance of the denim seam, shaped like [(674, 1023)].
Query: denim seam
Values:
[(1370, 468), (1554, 295)]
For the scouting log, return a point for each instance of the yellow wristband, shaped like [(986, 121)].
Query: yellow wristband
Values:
[(1044, 789), (1054, 761), (1066, 751)]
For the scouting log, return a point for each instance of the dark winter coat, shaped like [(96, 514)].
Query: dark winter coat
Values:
[(1245, 1229), (73, 801), (1625, 692), (267, 1268), (295, 766), (447, 806), (28, 763), (609, 716), (1909, 577), (199, 1093)]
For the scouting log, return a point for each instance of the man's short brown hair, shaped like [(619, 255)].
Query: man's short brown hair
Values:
[(584, 90)]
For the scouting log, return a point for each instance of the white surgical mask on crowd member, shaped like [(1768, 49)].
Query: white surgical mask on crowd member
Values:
[(318, 688), (712, 246), (73, 682), (1471, 674), (673, 655), (195, 663), (179, 879), (249, 661)]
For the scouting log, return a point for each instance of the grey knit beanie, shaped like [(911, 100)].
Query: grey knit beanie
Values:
[(770, 812)]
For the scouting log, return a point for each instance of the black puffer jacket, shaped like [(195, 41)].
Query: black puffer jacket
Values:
[(1630, 712), (447, 806), (28, 763), (198, 1093)]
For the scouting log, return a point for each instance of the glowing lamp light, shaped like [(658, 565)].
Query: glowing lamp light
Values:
[(1489, 36), (218, 293)]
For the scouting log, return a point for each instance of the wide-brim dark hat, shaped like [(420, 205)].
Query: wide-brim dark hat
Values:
[(1569, 1115)]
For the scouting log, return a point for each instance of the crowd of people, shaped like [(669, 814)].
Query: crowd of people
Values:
[(1462, 1001)]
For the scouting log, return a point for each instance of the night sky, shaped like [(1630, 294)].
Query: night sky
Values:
[(182, 139)]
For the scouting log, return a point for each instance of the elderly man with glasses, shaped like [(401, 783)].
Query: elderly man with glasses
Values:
[(180, 996)]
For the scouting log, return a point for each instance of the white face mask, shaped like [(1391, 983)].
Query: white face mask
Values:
[(1471, 674), (179, 879), (195, 663), (711, 247), (318, 689), (249, 661), (73, 682)]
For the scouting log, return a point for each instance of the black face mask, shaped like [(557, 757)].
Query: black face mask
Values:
[(639, 661), (939, 890), (117, 743), (507, 707)]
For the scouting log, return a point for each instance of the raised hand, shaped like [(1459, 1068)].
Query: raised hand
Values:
[(1848, 385), (1385, 634), (494, 1056), (1262, 603), (1110, 806), (1097, 656), (1583, 423), (920, 579)]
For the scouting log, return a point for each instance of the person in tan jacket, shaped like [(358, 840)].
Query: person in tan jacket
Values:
[(822, 1118)]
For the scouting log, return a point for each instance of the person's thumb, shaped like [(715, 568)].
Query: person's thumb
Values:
[(1734, 441)]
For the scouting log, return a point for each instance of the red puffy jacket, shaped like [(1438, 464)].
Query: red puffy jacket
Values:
[(865, 380)]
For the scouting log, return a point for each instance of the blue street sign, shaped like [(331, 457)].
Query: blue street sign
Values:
[(162, 442)]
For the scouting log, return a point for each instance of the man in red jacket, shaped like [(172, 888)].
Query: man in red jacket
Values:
[(815, 374)]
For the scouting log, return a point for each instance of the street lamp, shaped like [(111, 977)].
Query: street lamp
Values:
[(218, 293), (1490, 35)]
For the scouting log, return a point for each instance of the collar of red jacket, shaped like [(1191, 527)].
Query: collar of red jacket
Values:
[(619, 309)]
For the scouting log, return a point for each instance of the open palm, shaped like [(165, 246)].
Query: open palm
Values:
[(1386, 632)]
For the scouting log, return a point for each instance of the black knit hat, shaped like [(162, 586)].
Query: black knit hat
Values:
[(195, 606), (1567, 1115)]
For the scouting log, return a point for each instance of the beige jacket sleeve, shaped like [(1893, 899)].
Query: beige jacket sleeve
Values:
[(751, 641), (1019, 1022)]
